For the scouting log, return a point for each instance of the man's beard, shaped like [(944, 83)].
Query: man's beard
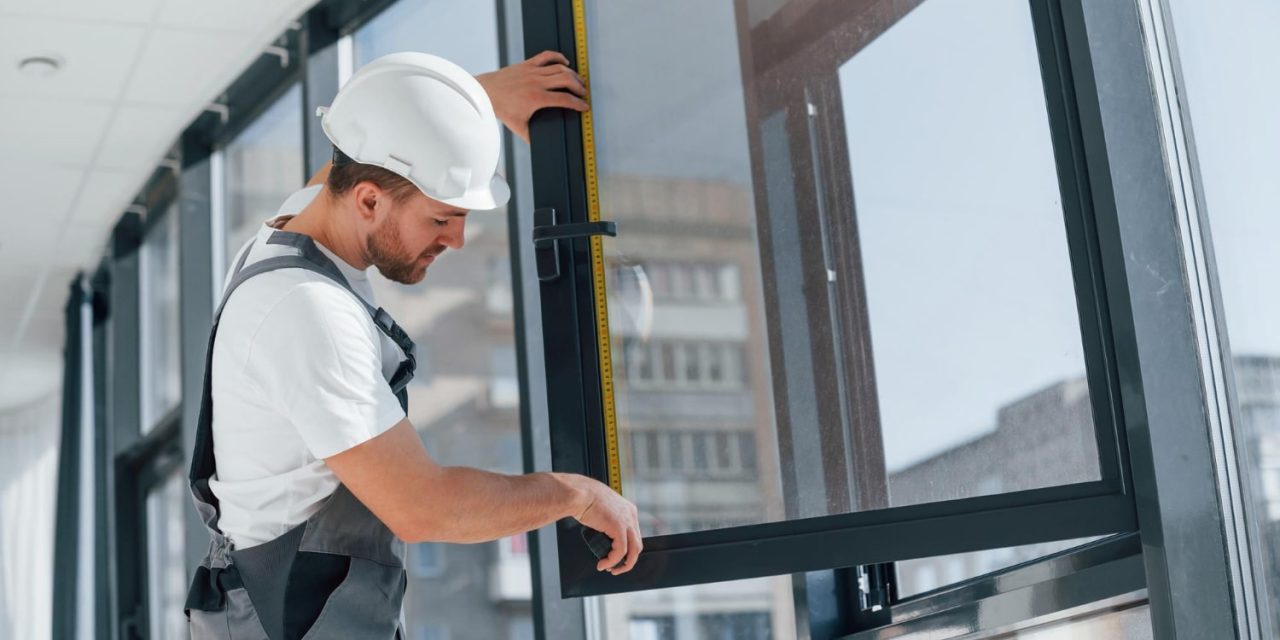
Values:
[(386, 252)]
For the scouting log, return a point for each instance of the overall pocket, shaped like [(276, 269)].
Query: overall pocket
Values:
[(365, 605)]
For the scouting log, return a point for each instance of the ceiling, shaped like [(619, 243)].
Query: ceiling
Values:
[(76, 146)]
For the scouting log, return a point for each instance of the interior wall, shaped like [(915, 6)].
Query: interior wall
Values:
[(28, 488)]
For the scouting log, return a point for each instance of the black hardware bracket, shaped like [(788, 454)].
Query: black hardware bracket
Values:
[(547, 236)]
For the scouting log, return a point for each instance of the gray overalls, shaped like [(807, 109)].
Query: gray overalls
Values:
[(341, 573)]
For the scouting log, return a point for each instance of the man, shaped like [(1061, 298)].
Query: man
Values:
[(309, 474)]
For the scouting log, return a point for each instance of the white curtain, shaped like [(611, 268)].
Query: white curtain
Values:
[(28, 495)]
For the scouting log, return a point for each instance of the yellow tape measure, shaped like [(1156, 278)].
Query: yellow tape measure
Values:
[(597, 258)]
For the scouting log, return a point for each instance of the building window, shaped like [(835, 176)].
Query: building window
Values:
[(427, 559), (653, 628), (677, 454), (683, 281), (684, 365), (429, 631)]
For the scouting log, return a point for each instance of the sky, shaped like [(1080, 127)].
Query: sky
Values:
[(1229, 51)]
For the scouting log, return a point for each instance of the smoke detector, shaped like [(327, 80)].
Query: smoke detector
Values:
[(42, 66)]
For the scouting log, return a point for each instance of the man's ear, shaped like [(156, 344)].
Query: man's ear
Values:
[(366, 195)]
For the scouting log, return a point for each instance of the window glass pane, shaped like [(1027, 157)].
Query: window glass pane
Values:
[(864, 214), (159, 284), (1221, 50), (1133, 623), (466, 403), (264, 165), (166, 566), (464, 33), (760, 609), (926, 574)]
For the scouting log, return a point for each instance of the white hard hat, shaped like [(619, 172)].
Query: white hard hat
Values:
[(424, 118)]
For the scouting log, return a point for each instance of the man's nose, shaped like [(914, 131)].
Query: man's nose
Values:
[(455, 237)]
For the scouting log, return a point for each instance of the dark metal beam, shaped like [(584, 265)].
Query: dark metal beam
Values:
[(67, 531), (862, 538), (1162, 394), (554, 618), (195, 300)]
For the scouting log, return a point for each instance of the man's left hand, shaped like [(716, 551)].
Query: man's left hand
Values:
[(545, 80)]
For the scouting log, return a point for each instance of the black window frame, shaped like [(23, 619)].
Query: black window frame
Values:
[(576, 403)]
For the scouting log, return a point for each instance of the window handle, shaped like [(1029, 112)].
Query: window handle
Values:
[(547, 236)]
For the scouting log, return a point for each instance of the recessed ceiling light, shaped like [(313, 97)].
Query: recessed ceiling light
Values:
[(40, 66)]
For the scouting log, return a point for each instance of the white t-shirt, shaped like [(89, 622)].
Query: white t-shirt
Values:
[(299, 374)]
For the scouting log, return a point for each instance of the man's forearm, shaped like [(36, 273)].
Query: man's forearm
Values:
[(470, 505)]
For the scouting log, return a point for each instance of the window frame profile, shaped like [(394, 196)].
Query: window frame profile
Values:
[(576, 402)]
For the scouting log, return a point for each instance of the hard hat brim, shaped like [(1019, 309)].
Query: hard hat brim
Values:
[(493, 197)]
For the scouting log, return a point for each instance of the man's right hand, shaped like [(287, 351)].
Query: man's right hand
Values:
[(616, 517)]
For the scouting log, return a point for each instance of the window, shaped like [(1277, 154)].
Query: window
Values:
[(926, 574), (1130, 623), (760, 609), (159, 314), (430, 632), (847, 241), (1231, 115), (263, 166), (919, 313), (684, 365), (166, 563), (426, 560)]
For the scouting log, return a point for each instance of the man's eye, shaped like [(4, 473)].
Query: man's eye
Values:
[(441, 223)]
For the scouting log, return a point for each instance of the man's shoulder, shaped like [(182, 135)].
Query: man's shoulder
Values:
[(292, 295)]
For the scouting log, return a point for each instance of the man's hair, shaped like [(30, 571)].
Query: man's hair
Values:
[(345, 176)]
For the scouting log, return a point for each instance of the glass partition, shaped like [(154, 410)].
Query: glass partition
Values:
[(166, 563), (263, 166), (160, 323)]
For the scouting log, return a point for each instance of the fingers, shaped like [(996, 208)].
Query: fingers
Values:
[(549, 57), (553, 69), (566, 79), (565, 100), (617, 553), (634, 546)]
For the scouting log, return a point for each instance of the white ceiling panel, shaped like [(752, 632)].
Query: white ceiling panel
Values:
[(113, 12), (177, 66), (25, 245), (82, 246), (140, 136), (36, 193), (234, 15), (96, 58), (46, 130), (106, 194)]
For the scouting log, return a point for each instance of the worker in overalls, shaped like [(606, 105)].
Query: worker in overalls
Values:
[(306, 470)]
